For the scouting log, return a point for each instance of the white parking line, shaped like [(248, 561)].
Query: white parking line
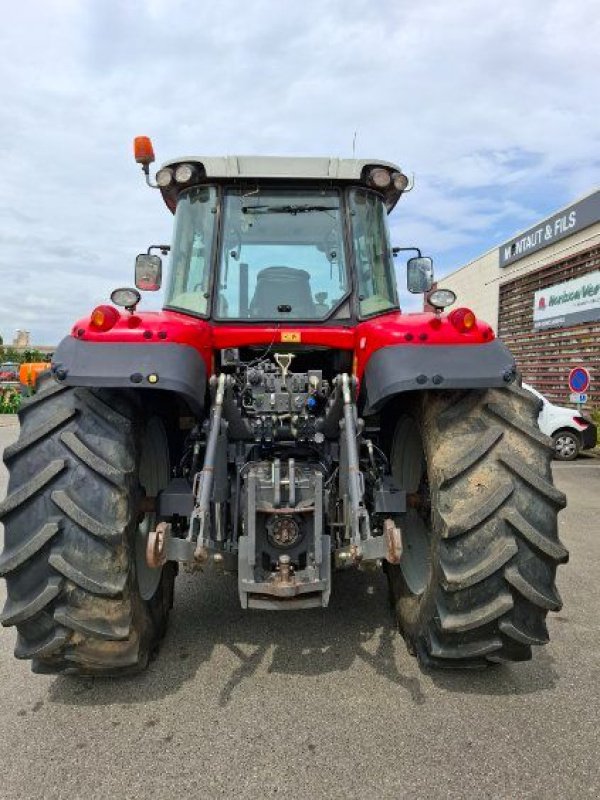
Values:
[(593, 465)]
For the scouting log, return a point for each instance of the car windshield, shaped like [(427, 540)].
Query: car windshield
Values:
[(282, 255)]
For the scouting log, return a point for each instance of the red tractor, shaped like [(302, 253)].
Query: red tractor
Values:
[(280, 418)]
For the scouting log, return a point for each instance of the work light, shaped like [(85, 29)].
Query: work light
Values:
[(164, 177)]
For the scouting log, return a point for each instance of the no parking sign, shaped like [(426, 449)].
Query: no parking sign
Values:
[(579, 382)]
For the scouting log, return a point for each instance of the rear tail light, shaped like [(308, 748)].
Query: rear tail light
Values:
[(581, 421), (103, 318), (463, 319)]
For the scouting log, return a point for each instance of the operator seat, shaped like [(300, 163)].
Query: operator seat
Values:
[(282, 286)]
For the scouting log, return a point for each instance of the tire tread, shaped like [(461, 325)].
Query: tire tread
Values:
[(495, 557), (71, 590)]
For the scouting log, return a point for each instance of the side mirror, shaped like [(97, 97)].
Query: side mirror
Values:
[(148, 272), (419, 274)]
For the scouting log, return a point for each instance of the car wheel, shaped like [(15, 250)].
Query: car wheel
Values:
[(566, 445)]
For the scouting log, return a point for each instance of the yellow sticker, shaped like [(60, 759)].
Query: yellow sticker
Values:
[(291, 336)]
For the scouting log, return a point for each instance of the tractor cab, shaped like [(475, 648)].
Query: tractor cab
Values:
[(261, 239)]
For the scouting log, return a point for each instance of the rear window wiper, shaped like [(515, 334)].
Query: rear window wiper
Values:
[(291, 209)]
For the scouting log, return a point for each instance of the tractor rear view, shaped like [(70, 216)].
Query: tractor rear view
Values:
[(280, 418)]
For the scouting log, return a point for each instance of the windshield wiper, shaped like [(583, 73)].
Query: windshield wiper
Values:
[(285, 209)]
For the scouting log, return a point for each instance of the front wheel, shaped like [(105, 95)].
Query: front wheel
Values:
[(476, 579), (79, 591)]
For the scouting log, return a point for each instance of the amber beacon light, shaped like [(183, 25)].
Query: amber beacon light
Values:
[(143, 150)]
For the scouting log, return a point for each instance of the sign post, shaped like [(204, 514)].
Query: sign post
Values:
[(579, 383)]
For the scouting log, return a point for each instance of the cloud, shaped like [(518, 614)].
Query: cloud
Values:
[(493, 107)]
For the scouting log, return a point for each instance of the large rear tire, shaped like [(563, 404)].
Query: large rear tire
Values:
[(80, 598), (481, 546)]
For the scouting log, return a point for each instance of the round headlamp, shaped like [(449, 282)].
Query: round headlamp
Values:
[(127, 298), (184, 173), (379, 178), (164, 177), (441, 298), (400, 181)]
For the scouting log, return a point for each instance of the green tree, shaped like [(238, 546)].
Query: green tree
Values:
[(10, 354)]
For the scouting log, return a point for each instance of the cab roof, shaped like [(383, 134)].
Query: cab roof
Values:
[(284, 168)]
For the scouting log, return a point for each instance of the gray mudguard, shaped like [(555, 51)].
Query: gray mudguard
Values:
[(179, 367), (404, 368)]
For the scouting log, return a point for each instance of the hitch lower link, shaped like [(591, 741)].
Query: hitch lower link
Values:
[(195, 549), (363, 546)]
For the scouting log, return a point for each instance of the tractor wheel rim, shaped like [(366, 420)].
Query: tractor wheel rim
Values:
[(416, 560), (153, 476), (409, 470)]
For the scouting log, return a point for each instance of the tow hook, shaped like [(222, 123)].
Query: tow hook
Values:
[(285, 571)]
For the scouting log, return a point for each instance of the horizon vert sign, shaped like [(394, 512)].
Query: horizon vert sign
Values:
[(569, 303), (574, 218)]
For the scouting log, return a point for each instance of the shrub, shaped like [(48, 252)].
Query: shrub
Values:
[(10, 400)]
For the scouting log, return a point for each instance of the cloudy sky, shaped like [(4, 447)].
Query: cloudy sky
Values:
[(493, 106)]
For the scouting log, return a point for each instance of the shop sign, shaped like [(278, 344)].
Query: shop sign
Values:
[(578, 216), (569, 303)]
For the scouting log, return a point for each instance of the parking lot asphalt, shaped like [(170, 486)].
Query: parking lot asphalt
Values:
[(319, 704)]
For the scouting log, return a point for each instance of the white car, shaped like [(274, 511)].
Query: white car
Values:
[(570, 430)]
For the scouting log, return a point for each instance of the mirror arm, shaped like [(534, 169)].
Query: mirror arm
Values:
[(164, 248), (396, 250)]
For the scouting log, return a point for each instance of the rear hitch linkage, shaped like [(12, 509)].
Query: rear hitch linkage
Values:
[(358, 546), (195, 549), (363, 546)]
